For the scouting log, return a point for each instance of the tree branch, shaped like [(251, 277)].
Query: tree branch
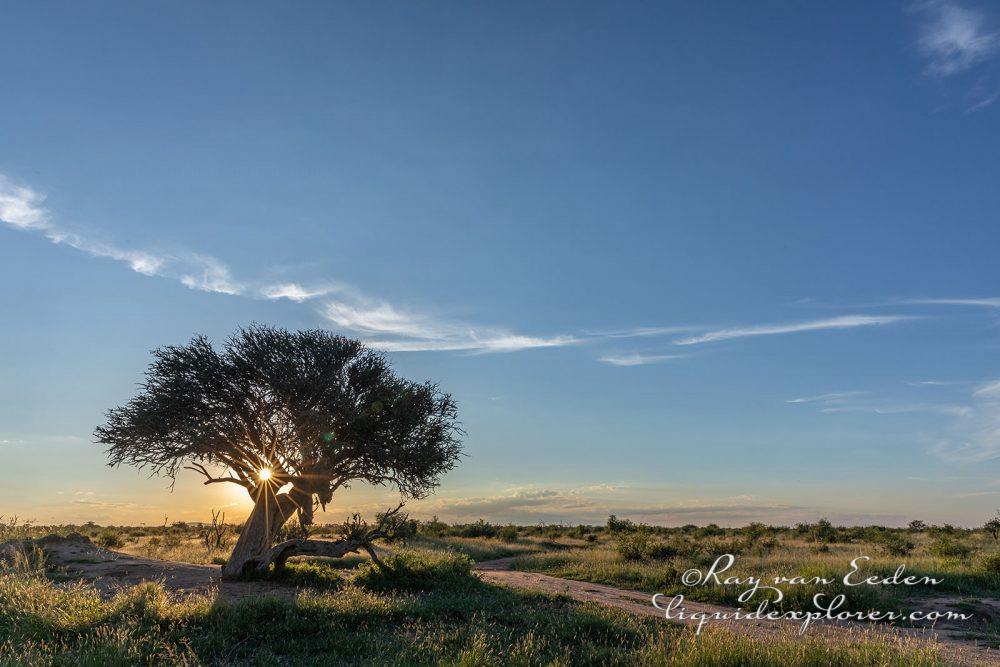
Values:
[(197, 467)]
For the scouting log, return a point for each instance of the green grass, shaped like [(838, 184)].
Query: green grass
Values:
[(461, 621), (604, 564), (479, 548)]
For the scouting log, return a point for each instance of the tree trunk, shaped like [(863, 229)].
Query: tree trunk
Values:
[(269, 514)]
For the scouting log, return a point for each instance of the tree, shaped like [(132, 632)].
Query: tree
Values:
[(993, 527), (917, 526), (292, 418)]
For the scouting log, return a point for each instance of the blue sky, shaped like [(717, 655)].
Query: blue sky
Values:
[(685, 262)]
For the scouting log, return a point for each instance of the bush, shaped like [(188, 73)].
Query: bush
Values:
[(946, 547), (822, 531), (991, 563), (433, 528), (640, 545), (616, 525), (660, 551), (754, 531), (417, 571), (895, 544), (760, 547), (402, 532), (508, 533), (111, 538), (479, 529), (633, 545)]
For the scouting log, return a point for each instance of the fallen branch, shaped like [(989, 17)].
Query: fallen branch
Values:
[(358, 535)]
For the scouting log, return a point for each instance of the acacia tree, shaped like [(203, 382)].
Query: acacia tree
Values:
[(291, 417)]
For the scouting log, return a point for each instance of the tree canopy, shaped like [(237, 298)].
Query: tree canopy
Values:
[(310, 408)]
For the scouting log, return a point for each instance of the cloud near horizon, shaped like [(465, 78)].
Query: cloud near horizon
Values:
[(592, 505)]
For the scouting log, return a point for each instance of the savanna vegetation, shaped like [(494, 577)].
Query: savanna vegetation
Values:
[(967, 562), (424, 607)]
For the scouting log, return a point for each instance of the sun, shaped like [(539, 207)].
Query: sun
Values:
[(264, 474)]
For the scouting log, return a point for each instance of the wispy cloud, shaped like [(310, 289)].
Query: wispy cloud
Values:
[(826, 398), (209, 275), (955, 39), (983, 302), (393, 330), (975, 435), (989, 390), (639, 359), (843, 322), (382, 325), (862, 401), (295, 292), (903, 409), (385, 326), (644, 332), (22, 208)]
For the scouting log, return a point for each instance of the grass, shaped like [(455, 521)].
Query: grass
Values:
[(458, 621), (606, 565)]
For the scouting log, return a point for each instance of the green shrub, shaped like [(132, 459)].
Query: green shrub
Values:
[(616, 525), (111, 538), (755, 531), (480, 528), (946, 547), (508, 533), (633, 545), (991, 563), (759, 547), (896, 544), (822, 531), (660, 551), (433, 528), (417, 571)]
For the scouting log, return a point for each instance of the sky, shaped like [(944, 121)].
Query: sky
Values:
[(684, 262)]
